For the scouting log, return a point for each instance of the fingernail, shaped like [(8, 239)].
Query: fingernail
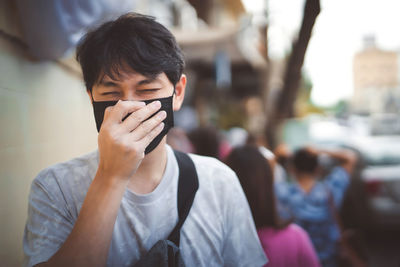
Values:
[(156, 104), (161, 125), (162, 114)]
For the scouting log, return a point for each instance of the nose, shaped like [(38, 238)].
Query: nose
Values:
[(128, 95)]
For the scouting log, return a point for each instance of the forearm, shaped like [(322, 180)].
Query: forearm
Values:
[(343, 155), (89, 240), (346, 157)]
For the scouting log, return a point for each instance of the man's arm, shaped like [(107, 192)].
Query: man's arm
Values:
[(121, 150), (346, 157), (88, 242)]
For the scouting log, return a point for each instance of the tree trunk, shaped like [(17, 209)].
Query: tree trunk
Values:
[(284, 105)]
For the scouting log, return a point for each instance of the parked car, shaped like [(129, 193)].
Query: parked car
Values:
[(381, 179), (373, 198)]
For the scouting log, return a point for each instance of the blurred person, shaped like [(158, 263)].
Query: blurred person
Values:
[(309, 200), (284, 243), (260, 141), (206, 141), (236, 136), (111, 206), (283, 155), (224, 148), (178, 140)]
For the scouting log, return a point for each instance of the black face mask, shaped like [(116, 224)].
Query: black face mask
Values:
[(166, 105)]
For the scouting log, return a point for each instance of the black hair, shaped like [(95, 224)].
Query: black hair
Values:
[(256, 178), (305, 161), (133, 42)]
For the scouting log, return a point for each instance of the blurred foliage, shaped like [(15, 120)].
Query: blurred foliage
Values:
[(340, 109), (304, 105), (231, 113)]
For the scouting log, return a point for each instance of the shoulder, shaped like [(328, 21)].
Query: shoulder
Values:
[(298, 236), (212, 168), (69, 172), (216, 180), (338, 171), (292, 232), (292, 237), (296, 230), (306, 255), (207, 165), (338, 177)]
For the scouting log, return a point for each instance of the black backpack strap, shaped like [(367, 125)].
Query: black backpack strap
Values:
[(187, 188)]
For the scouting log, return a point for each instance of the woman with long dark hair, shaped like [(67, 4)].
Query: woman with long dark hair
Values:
[(284, 243)]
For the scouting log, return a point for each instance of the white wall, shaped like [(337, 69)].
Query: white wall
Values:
[(45, 117)]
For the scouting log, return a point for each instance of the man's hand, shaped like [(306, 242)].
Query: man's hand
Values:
[(122, 141)]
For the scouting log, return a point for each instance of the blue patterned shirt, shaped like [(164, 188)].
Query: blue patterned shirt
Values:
[(313, 212)]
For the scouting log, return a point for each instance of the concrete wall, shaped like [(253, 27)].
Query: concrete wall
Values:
[(45, 117)]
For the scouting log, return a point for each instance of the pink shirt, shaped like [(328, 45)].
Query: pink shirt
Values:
[(290, 246)]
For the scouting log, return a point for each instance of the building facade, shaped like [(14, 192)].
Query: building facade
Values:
[(376, 76)]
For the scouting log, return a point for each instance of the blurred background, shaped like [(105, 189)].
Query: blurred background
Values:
[(293, 72)]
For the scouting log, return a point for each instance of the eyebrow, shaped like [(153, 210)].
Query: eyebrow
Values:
[(148, 80), (108, 83)]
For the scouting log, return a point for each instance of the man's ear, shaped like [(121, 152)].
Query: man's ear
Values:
[(179, 95)]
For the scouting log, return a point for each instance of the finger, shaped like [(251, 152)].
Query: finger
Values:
[(146, 140), (146, 127), (139, 116), (121, 109)]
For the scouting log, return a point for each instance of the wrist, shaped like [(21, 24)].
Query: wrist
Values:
[(111, 179)]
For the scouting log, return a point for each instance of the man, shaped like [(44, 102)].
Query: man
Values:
[(312, 203), (110, 207)]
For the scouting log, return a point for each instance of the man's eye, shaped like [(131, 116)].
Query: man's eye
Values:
[(144, 91), (110, 93)]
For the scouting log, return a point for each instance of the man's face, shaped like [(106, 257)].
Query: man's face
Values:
[(137, 87), (132, 86)]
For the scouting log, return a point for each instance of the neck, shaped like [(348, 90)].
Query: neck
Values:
[(151, 170), (306, 181)]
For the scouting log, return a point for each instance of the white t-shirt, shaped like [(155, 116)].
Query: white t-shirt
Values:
[(219, 230)]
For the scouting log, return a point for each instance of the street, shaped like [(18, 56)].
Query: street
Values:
[(384, 249)]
